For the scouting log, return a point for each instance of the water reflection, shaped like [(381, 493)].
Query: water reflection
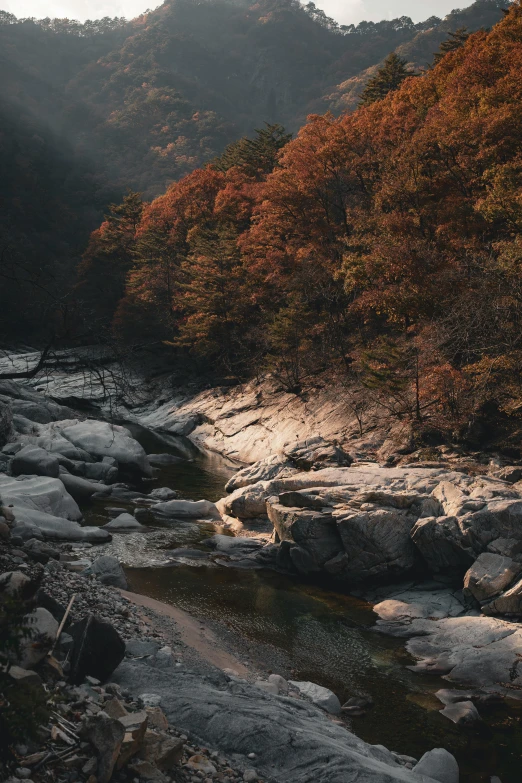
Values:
[(303, 631)]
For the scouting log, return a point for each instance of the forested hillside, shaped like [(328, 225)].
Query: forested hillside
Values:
[(383, 245), (92, 110)]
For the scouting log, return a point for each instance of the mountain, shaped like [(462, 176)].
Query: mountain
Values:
[(92, 110)]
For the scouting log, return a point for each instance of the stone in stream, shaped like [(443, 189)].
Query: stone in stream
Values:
[(438, 765), (108, 571), (321, 697), (163, 494), (97, 650), (123, 523), (198, 509)]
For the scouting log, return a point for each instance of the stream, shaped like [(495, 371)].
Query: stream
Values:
[(302, 631)]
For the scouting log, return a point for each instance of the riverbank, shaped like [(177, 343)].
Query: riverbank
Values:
[(171, 529)]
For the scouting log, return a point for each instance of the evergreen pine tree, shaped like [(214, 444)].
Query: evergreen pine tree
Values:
[(455, 41), (256, 156), (387, 79)]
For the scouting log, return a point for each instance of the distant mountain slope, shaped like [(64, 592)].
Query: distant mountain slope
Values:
[(90, 110), (148, 101), (419, 49)]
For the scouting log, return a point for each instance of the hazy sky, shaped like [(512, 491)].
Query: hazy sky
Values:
[(345, 11)]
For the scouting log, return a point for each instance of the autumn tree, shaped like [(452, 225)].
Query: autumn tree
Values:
[(217, 311)]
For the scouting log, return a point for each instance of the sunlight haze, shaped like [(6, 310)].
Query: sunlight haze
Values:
[(344, 11)]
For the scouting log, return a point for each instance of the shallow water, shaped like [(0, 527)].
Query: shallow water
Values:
[(307, 631)]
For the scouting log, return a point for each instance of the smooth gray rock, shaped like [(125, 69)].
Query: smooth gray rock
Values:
[(439, 765), (321, 697), (32, 460), (108, 570), (123, 523), (292, 737), (107, 440), (37, 524), (440, 542), (163, 494), (78, 488), (191, 509), (40, 410), (39, 493), (101, 471)]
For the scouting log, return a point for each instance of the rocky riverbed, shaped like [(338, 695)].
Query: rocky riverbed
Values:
[(447, 540)]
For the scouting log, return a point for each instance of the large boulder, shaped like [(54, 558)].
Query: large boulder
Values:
[(55, 443), (108, 440), (97, 650), (440, 542), (37, 524), (32, 460), (377, 543), (314, 532), (489, 575), (246, 502), (39, 493)]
